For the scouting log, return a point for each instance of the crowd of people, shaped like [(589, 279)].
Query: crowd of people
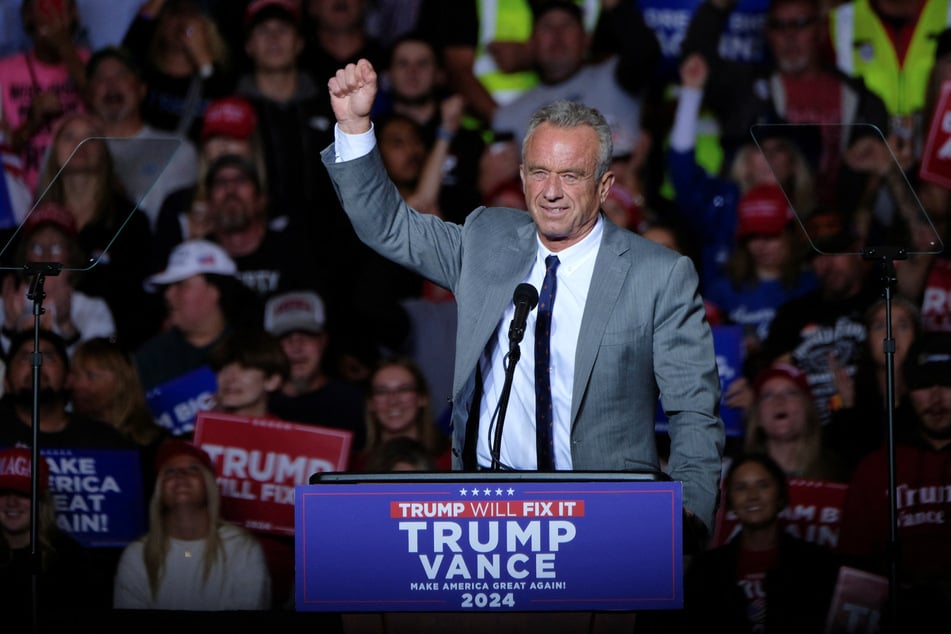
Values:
[(171, 164)]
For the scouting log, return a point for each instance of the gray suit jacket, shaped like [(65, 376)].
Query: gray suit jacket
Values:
[(643, 329)]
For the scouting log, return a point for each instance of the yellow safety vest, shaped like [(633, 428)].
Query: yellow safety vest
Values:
[(511, 21), (863, 49)]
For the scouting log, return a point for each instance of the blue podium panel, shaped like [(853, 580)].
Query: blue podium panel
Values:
[(482, 542)]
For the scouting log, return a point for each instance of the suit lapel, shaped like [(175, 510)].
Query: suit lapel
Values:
[(610, 272), (500, 272)]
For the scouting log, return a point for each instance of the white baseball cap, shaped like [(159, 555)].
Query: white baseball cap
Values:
[(297, 311), (194, 257)]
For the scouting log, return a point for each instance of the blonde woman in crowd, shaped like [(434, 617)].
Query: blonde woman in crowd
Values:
[(190, 559), (80, 175)]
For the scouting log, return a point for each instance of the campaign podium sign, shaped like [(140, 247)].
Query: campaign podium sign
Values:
[(488, 542)]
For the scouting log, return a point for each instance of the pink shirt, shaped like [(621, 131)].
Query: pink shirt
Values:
[(21, 77)]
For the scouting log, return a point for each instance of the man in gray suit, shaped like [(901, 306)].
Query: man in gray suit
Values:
[(627, 322)]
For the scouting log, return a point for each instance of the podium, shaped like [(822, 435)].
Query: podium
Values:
[(500, 551)]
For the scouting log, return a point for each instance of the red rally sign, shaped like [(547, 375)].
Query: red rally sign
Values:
[(936, 158), (259, 462)]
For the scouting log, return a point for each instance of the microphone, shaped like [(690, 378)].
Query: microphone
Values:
[(526, 299)]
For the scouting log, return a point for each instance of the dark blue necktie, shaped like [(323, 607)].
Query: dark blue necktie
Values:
[(544, 434)]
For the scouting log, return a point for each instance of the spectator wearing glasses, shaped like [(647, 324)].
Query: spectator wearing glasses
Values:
[(399, 407)]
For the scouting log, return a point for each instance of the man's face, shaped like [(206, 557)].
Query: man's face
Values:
[(192, 303), (243, 388), (932, 405), (115, 91), (559, 43), (793, 34), (338, 14), (840, 275), (234, 200), (413, 71), (562, 192), (304, 350), (274, 45), (402, 150), (19, 374)]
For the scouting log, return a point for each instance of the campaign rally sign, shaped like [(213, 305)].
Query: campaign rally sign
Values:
[(936, 157), (814, 513), (97, 494), (176, 403), (258, 463), (857, 603), (741, 40), (728, 347), (489, 545)]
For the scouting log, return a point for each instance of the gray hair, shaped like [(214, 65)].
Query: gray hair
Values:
[(568, 114)]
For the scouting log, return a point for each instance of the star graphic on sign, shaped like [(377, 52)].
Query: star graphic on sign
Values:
[(475, 492), (487, 491), (498, 492), (463, 492), (511, 491)]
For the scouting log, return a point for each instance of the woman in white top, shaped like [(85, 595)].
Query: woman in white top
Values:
[(190, 559)]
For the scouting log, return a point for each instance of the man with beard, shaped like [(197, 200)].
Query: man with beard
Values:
[(140, 152), (269, 259), (59, 427), (922, 484)]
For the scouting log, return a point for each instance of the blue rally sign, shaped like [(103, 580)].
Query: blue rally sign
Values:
[(97, 494), (489, 545), (176, 404)]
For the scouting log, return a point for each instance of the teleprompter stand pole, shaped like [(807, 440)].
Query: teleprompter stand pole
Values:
[(886, 256), (39, 271)]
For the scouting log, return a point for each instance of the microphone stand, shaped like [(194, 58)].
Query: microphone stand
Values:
[(515, 353), (39, 271), (886, 257)]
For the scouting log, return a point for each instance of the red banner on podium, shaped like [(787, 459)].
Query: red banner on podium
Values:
[(259, 462)]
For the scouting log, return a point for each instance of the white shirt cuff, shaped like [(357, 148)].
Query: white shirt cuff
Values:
[(352, 146)]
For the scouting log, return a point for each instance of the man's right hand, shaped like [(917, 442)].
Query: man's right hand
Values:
[(352, 92)]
